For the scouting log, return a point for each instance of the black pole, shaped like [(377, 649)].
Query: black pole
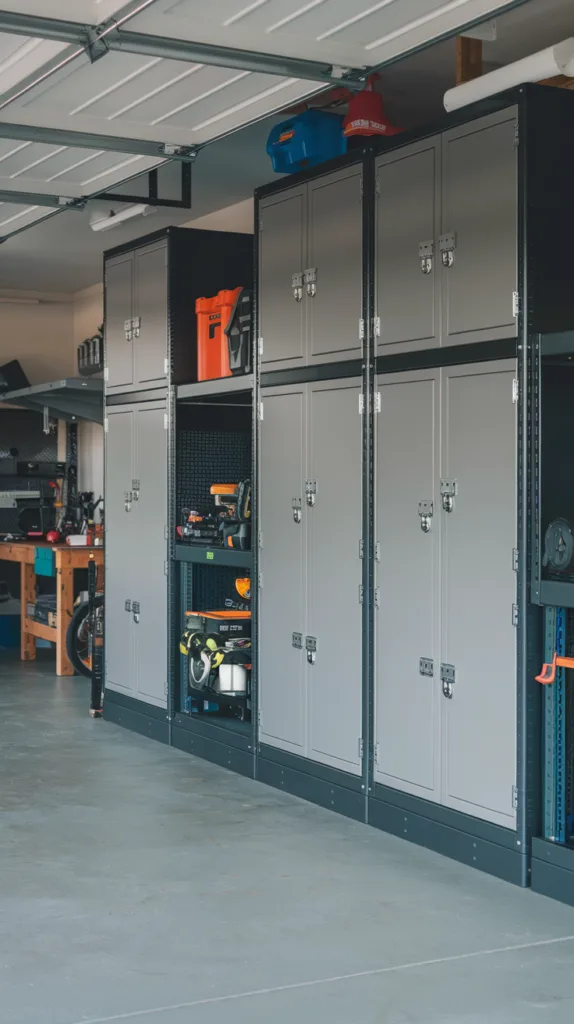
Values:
[(96, 628)]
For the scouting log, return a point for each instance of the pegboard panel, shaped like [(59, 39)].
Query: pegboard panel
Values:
[(209, 586), (22, 430), (213, 446)]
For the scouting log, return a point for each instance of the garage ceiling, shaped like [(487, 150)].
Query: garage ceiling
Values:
[(83, 108)]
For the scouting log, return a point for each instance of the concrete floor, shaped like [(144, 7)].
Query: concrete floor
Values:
[(140, 884)]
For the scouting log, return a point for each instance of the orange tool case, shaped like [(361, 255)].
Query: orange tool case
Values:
[(212, 344)]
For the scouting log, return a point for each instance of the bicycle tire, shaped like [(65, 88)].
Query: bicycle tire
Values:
[(76, 622)]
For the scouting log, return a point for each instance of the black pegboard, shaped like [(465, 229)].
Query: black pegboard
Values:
[(209, 586), (213, 446), (23, 430)]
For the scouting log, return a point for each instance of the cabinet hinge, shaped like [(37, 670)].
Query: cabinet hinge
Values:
[(515, 304), (260, 412), (516, 135), (165, 533), (165, 421), (260, 539), (515, 559), (361, 549), (515, 390), (361, 188), (361, 404), (360, 748), (166, 568), (106, 374), (165, 688), (377, 326), (106, 425), (377, 752), (260, 580), (514, 614), (515, 797), (377, 597), (378, 186), (361, 593), (166, 366), (260, 346), (261, 222), (361, 329), (377, 552), (378, 403)]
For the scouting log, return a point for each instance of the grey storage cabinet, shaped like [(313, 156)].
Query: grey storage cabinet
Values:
[(150, 291), (310, 682), (447, 237), (445, 690), (136, 584), (311, 271)]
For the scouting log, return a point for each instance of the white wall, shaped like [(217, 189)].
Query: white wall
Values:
[(39, 335), (88, 314)]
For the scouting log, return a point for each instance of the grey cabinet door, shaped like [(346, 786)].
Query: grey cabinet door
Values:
[(478, 591), (119, 311), (282, 597), (150, 311), (150, 522), (480, 204), (407, 708), (334, 572), (334, 301), (120, 550), (408, 214), (282, 254)]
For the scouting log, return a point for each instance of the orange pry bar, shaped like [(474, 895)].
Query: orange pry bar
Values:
[(548, 673)]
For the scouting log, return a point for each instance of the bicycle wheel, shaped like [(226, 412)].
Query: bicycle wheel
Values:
[(78, 638)]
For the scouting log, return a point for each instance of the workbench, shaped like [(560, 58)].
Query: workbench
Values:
[(66, 560)]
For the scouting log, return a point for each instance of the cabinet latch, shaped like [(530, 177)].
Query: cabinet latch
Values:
[(426, 514), (310, 492), (426, 667), (297, 286), (310, 278), (297, 641), (296, 505), (311, 648), (447, 245), (128, 331), (448, 678), (136, 611), (426, 254), (448, 492)]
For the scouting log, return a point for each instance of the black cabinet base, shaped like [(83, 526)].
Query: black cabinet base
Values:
[(553, 871), (479, 844), (314, 782), (224, 754), (135, 715)]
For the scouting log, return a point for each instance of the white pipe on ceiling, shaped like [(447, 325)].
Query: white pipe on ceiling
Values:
[(555, 60)]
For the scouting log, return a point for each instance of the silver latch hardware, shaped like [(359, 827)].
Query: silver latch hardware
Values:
[(448, 492), (447, 245), (426, 667), (426, 514), (136, 325), (426, 253), (297, 505), (128, 332), (128, 605), (297, 286), (515, 559), (310, 492), (448, 677), (310, 278), (136, 611), (515, 390), (128, 496), (515, 797), (311, 648), (136, 490), (514, 614), (297, 641), (515, 304)]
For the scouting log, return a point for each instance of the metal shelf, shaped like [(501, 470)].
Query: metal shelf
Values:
[(72, 398), (212, 556), (204, 389)]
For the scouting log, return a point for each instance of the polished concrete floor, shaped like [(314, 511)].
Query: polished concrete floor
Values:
[(140, 884)]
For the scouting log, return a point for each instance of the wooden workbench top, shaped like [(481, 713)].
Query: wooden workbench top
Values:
[(66, 557)]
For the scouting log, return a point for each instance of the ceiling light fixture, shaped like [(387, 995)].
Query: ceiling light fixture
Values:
[(112, 219), (15, 300)]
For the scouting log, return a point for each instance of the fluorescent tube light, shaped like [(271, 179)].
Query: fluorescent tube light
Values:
[(555, 60), (112, 219)]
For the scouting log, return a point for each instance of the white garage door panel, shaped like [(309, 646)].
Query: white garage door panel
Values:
[(14, 217), (57, 170), (355, 34), (21, 56), (93, 12)]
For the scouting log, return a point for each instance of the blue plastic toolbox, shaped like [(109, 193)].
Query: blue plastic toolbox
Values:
[(306, 140)]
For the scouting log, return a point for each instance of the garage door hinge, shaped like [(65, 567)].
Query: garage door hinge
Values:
[(514, 614), (515, 797), (361, 748), (106, 425), (515, 390), (515, 304)]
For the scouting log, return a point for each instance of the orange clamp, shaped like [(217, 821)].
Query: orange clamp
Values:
[(548, 673)]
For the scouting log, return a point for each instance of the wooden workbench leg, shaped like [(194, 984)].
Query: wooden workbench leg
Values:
[(27, 596), (64, 612)]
